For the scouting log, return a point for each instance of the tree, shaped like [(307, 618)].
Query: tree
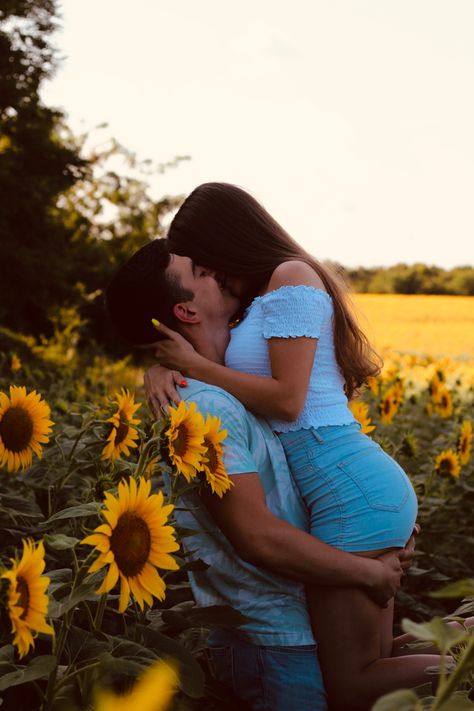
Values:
[(36, 165), (67, 218)]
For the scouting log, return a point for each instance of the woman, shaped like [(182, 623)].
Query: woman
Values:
[(296, 357)]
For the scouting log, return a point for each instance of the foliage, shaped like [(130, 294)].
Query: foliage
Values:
[(71, 210), (58, 501), (412, 279), (59, 497)]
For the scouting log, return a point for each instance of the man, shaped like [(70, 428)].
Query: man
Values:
[(253, 539)]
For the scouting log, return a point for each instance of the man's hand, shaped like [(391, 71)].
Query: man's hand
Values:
[(407, 554), (160, 388), (386, 578)]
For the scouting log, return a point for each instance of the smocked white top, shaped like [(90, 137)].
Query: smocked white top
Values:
[(289, 312)]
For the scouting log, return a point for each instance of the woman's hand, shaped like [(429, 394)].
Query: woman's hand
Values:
[(160, 388), (173, 351)]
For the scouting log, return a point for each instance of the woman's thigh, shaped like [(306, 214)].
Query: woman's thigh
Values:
[(351, 632)]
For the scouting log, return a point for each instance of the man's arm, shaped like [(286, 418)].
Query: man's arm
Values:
[(262, 539)]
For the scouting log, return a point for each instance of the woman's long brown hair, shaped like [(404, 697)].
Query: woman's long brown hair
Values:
[(223, 227)]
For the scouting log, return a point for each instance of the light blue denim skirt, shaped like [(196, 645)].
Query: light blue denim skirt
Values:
[(358, 497)]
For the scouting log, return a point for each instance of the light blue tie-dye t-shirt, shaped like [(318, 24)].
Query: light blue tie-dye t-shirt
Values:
[(275, 607)]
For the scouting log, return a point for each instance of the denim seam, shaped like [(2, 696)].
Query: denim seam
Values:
[(376, 507), (342, 518)]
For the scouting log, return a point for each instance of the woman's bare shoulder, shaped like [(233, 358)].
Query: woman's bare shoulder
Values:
[(294, 273)]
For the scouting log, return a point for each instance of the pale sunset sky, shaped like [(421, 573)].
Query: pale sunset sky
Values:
[(352, 121)]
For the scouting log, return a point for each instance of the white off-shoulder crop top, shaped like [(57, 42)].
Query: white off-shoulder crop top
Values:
[(290, 312)]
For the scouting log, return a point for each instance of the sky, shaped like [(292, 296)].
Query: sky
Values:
[(352, 121)]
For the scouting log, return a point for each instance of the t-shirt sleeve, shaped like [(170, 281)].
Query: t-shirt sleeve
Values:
[(238, 458), (295, 311)]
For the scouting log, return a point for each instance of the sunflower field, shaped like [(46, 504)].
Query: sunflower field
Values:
[(96, 609)]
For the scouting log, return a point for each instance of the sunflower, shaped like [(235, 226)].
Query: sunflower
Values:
[(134, 539), (443, 402), (24, 427), (360, 410), (447, 462), (388, 406), (15, 363), (27, 601), (213, 466), (123, 436), (398, 391), (465, 442), (373, 384), (153, 691), (185, 439)]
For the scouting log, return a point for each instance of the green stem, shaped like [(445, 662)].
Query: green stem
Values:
[(89, 616), (58, 647), (143, 459), (68, 677), (445, 691), (99, 615)]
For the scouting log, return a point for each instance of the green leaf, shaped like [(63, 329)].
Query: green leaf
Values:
[(38, 668), (59, 541), (90, 509), (120, 665), (457, 703), (402, 700), (437, 631), (84, 591), (83, 645), (461, 588), (60, 575), (17, 506), (7, 653), (190, 672)]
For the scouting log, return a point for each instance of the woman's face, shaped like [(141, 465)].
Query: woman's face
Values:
[(237, 286)]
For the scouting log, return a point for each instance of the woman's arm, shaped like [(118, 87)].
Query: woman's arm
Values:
[(280, 396)]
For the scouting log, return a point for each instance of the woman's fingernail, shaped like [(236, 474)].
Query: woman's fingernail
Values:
[(183, 383), (155, 322)]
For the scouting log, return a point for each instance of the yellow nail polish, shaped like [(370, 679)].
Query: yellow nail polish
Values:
[(155, 322)]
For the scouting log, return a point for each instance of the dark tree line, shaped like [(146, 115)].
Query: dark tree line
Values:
[(413, 279)]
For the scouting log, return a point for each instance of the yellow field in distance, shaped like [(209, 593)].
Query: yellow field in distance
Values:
[(436, 326)]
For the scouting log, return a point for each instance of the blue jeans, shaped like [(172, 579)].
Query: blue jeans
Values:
[(358, 497), (270, 678)]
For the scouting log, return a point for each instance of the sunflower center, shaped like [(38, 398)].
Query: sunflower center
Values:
[(122, 432), (16, 429), (180, 443), (24, 599), (211, 454), (446, 466), (387, 406), (130, 543)]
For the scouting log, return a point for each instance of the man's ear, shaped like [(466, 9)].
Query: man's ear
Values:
[(186, 312)]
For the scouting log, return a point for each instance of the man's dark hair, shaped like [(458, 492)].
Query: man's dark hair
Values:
[(141, 290)]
